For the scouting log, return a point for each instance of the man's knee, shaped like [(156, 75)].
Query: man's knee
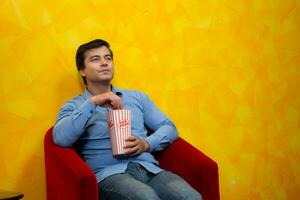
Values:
[(171, 185), (187, 193), (144, 193), (192, 195)]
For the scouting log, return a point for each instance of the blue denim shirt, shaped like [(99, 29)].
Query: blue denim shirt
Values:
[(82, 124)]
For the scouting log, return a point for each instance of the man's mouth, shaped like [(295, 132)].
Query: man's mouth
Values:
[(105, 70)]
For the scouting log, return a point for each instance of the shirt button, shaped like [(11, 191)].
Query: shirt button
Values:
[(91, 111)]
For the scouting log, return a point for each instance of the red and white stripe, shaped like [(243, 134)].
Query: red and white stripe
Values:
[(119, 124)]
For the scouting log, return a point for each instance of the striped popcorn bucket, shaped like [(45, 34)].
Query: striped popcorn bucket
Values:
[(119, 126)]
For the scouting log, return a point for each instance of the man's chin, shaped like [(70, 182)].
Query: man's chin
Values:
[(105, 80), (102, 80)]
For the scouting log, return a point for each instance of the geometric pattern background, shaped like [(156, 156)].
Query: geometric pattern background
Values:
[(226, 72)]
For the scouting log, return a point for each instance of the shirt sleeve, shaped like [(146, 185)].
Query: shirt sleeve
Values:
[(164, 130), (71, 122)]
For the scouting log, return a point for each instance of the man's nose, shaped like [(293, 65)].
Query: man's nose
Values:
[(103, 62)]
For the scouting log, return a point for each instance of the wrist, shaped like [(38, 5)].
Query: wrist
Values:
[(92, 100), (98, 99), (146, 145)]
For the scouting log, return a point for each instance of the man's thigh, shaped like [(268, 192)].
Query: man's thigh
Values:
[(171, 186), (125, 187)]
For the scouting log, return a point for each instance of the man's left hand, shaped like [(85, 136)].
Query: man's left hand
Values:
[(135, 146)]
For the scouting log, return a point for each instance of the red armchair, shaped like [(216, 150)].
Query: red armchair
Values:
[(69, 178)]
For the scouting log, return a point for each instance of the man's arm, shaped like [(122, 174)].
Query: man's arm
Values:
[(72, 120), (164, 131)]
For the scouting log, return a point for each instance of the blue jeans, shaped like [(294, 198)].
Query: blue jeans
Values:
[(139, 184)]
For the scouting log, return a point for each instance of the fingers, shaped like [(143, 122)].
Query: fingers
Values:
[(115, 101), (131, 142), (134, 146), (134, 151), (108, 99), (130, 138), (117, 104)]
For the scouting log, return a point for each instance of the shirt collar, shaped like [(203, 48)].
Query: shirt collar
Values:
[(117, 91)]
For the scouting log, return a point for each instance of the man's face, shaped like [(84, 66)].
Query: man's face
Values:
[(99, 67)]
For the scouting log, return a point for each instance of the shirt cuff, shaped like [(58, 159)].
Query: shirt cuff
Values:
[(153, 142)]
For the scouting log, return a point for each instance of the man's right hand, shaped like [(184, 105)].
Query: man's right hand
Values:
[(108, 99)]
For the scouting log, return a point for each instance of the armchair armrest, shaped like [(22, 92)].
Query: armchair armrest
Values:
[(67, 175), (196, 168)]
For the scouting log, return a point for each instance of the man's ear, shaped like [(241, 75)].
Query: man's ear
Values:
[(82, 73)]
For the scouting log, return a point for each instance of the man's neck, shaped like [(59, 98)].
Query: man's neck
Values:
[(96, 89)]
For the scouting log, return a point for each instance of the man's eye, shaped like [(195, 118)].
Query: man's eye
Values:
[(94, 59), (108, 58)]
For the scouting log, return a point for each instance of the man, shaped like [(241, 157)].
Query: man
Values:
[(82, 122)]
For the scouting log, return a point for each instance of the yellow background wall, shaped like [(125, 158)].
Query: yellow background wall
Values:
[(226, 72)]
